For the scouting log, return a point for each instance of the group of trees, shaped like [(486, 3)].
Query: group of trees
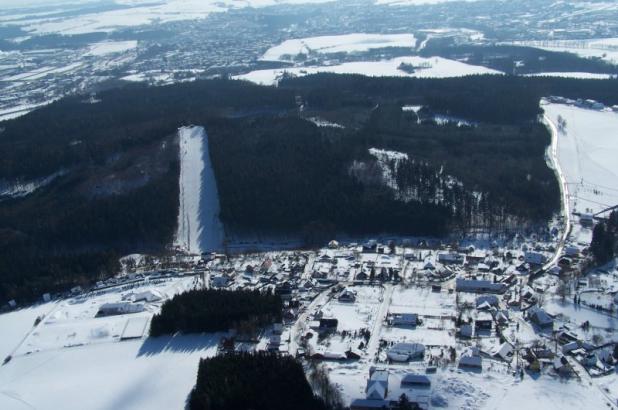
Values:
[(497, 99), (605, 239), (287, 175), (260, 381), (517, 59), (209, 310)]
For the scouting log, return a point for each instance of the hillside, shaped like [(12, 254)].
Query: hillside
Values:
[(96, 181)]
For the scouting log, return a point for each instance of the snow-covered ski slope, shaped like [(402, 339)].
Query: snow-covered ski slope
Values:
[(199, 227)]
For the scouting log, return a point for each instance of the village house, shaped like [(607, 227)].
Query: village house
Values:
[(403, 319), (478, 286), (404, 352), (539, 317), (377, 385), (415, 380), (451, 258)]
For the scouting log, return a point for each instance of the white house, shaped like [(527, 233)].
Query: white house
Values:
[(403, 352)]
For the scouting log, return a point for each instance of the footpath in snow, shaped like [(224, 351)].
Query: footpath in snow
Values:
[(199, 227)]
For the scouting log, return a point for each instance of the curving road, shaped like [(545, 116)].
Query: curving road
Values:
[(564, 192)]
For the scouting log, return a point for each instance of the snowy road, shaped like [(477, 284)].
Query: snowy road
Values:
[(564, 192), (372, 346)]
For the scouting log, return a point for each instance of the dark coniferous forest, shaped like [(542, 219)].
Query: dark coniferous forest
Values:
[(260, 381), (209, 310), (115, 165)]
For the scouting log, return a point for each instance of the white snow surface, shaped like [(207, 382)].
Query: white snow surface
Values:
[(157, 373), (199, 227), (16, 325), (580, 75), (437, 67), (587, 152), (111, 47), (348, 43), (604, 48), (141, 12)]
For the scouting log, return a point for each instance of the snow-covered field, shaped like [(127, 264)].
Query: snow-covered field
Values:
[(348, 43), (74, 360), (111, 47), (587, 152), (435, 67), (140, 12), (16, 326), (580, 75), (144, 374), (604, 48), (199, 227)]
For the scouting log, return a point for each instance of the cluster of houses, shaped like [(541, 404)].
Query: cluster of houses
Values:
[(382, 384)]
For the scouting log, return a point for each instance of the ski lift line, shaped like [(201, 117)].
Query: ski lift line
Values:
[(590, 200), (599, 186), (611, 208)]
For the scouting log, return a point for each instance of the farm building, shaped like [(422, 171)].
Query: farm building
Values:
[(122, 308), (415, 380), (479, 286)]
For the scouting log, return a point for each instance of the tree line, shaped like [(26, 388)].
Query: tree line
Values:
[(212, 310), (604, 244), (259, 381)]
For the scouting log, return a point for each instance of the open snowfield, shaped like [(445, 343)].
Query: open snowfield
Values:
[(577, 314), (604, 48), (111, 47), (143, 374), (435, 67), (140, 12), (16, 326), (347, 43), (587, 152), (199, 227), (580, 75), (75, 360)]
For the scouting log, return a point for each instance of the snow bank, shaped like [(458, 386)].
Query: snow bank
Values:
[(199, 227), (435, 67), (348, 43)]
